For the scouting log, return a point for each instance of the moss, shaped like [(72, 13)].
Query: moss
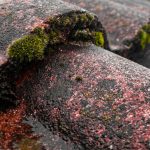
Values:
[(56, 37), (90, 17), (71, 19), (61, 29), (28, 48), (139, 44), (83, 18), (66, 21), (99, 39), (146, 28), (144, 36), (82, 35), (41, 33)]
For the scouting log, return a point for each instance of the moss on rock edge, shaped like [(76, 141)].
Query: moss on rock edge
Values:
[(140, 43), (78, 26), (28, 48), (99, 39), (144, 36)]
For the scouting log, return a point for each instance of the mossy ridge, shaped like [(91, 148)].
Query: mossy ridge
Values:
[(142, 39), (80, 19), (72, 26), (86, 36), (83, 27), (139, 45), (28, 48), (144, 36), (99, 39)]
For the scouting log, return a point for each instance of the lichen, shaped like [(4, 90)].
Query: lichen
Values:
[(28, 48)]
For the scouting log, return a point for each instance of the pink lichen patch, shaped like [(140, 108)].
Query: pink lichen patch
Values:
[(130, 94), (4, 13), (75, 115), (140, 138), (100, 130), (20, 14), (55, 113), (139, 112), (100, 102)]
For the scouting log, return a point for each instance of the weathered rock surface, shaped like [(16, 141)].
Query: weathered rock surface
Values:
[(94, 97), (88, 95), (19, 18), (122, 20)]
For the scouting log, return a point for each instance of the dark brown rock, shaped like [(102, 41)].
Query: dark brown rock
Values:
[(106, 108)]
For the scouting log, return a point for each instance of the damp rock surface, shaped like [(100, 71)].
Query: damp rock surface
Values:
[(83, 93), (31, 29), (122, 21), (78, 98)]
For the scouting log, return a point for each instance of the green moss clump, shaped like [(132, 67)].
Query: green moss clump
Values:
[(90, 17), (82, 35), (41, 33), (66, 21), (56, 37), (80, 19), (140, 43), (28, 48), (83, 18), (146, 28), (72, 26), (144, 36), (99, 39)]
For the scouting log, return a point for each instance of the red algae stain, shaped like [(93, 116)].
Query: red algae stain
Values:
[(24, 77), (10, 123), (11, 127)]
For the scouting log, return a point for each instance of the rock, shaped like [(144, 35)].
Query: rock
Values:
[(122, 20), (139, 50), (30, 30), (93, 97), (96, 98)]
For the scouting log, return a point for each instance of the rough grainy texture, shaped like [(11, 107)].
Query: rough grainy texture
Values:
[(88, 97), (121, 18), (20, 18), (94, 97)]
